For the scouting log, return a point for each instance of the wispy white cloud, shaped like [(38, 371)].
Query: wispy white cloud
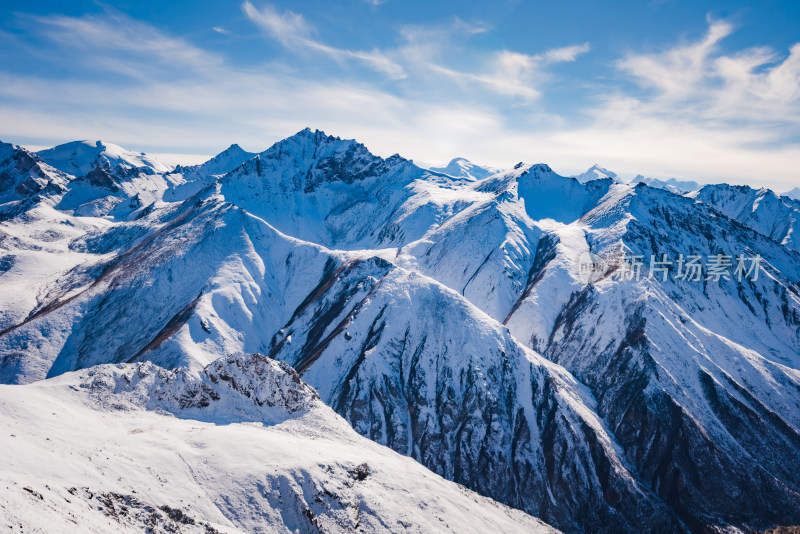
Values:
[(565, 54), (292, 30), (424, 44), (698, 80), (510, 74), (515, 74), (676, 71), (223, 31), (140, 45), (702, 112)]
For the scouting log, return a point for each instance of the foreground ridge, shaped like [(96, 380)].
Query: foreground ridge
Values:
[(243, 446)]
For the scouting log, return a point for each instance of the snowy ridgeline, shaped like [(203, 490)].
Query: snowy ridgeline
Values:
[(441, 313)]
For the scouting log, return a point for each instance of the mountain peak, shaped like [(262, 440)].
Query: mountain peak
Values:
[(463, 168), (308, 138), (595, 172), (307, 149), (222, 163), (540, 169), (794, 194), (234, 151)]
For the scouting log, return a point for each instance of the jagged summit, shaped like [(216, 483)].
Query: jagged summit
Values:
[(308, 160), (80, 157), (306, 146), (25, 177)]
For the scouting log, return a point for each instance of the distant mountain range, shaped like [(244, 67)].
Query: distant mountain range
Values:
[(440, 312)]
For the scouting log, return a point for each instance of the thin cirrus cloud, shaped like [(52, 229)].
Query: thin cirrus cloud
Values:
[(516, 74), (143, 87), (120, 37), (508, 73), (292, 30)]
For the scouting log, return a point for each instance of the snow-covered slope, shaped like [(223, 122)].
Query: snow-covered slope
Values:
[(794, 194), (487, 250), (595, 172), (236, 277), (555, 296), (469, 403), (243, 446), (463, 168)]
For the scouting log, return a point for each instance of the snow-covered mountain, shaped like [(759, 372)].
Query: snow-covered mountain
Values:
[(243, 446), (446, 317), (595, 172), (760, 209), (697, 379), (188, 180), (81, 157), (672, 185), (463, 168), (24, 178), (794, 194)]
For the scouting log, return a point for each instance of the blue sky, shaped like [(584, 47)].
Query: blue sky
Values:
[(696, 90)]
